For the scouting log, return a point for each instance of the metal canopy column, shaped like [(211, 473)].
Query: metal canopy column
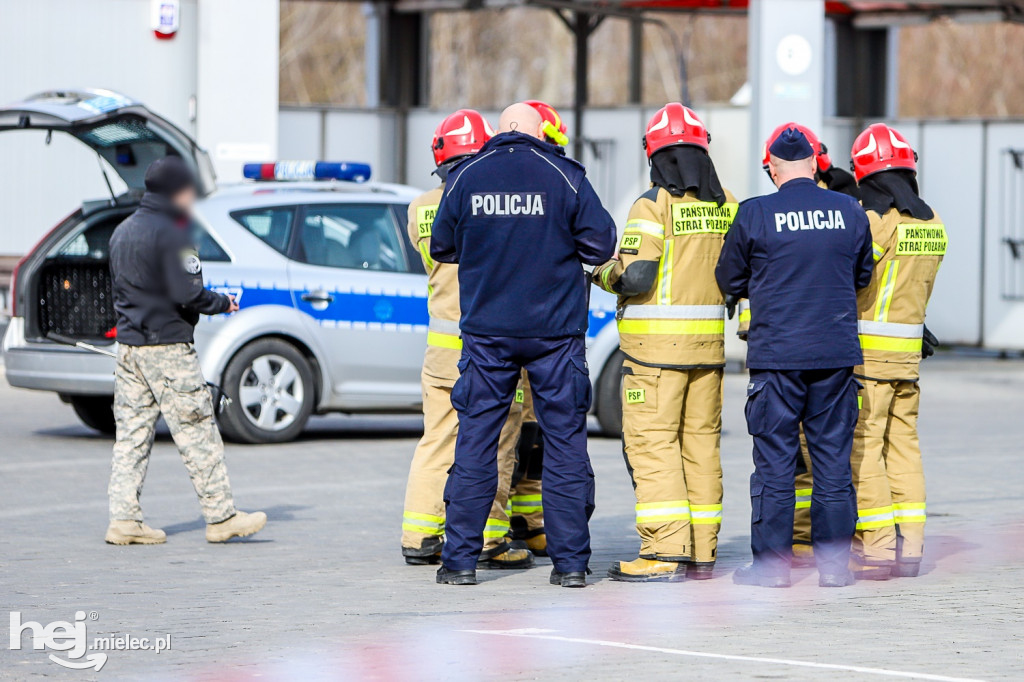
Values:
[(785, 65)]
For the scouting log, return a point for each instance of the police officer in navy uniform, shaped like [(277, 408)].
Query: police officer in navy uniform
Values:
[(800, 255), (521, 219)]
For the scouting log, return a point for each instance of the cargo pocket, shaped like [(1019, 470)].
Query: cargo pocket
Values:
[(582, 390), (190, 399), (460, 391), (756, 493), (756, 409), (640, 388)]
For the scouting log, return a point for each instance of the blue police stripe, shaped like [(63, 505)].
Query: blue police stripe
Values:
[(367, 308)]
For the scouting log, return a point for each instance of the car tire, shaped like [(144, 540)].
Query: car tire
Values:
[(609, 396), (95, 411), (271, 387)]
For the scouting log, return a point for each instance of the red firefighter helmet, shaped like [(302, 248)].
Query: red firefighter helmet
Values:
[(461, 134), (820, 150), (675, 124), (881, 148), (554, 126)]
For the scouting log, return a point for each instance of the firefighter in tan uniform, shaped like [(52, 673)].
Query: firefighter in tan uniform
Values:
[(671, 328), (828, 176), (909, 243), (423, 521)]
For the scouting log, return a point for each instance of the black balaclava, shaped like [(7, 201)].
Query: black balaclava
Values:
[(838, 180), (684, 167), (894, 188), (169, 176)]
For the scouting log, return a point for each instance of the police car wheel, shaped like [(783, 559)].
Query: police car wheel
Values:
[(270, 384), (609, 396), (95, 411)]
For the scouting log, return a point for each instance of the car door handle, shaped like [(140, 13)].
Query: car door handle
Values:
[(318, 297)]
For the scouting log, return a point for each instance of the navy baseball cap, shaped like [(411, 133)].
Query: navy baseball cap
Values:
[(791, 145)]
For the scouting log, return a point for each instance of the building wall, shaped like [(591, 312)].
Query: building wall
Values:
[(53, 44)]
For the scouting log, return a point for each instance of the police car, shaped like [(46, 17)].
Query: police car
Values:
[(333, 296)]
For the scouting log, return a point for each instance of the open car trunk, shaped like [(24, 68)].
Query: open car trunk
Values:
[(63, 287), (73, 285)]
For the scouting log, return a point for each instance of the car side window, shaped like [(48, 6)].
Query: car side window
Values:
[(272, 225), (353, 236), (209, 250)]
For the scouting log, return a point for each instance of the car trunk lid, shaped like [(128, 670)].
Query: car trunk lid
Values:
[(122, 131)]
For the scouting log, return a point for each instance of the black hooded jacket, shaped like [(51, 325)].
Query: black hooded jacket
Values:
[(158, 277)]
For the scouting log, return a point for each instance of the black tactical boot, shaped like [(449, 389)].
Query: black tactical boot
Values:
[(446, 577)]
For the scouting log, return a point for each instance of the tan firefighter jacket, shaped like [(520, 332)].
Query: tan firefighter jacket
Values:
[(671, 312), (891, 309)]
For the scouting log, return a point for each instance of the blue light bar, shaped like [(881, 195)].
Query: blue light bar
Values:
[(307, 170)]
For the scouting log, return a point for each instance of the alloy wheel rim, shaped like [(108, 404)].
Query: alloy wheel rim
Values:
[(271, 392)]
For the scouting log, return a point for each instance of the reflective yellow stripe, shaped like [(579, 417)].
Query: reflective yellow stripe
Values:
[(444, 340), (878, 251), (665, 276), (745, 315), (878, 517), (885, 293), (870, 342), (496, 528), (605, 275), (803, 498), (525, 504), (686, 327), (428, 262), (660, 512), (646, 226), (428, 524), (705, 514), (909, 512)]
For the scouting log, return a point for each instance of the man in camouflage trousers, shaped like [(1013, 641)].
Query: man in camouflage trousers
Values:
[(158, 295)]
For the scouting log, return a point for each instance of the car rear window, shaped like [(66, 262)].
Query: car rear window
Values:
[(271, 225)]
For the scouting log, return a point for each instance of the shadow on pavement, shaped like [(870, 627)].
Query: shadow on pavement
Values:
[(275, 514)]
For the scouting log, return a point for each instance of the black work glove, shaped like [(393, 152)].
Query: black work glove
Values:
[(730, 305), (928, 343)]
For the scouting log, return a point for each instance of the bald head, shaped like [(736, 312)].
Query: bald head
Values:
[(521, 118)]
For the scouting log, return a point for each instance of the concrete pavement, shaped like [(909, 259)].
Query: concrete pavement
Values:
[(323, 593)]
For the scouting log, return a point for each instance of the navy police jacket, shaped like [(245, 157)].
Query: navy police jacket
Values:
[(799, 255), (520, 218)]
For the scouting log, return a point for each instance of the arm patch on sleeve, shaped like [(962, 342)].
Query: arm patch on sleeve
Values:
[(190, 261)]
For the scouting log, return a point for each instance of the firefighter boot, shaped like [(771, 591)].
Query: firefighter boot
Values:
[(505, 557), (905, 567), (700, 570), (648, 571), (803, 556), (428, 553), (864, 568), (238, 526), (134, 533), (523, 538)]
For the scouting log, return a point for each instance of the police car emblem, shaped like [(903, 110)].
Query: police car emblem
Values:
[(193, 265)]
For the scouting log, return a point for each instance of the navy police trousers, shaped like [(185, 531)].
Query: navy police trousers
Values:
[(489, 372), (825, 400)]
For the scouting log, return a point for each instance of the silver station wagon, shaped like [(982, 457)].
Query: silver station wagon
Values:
[(332, 294)]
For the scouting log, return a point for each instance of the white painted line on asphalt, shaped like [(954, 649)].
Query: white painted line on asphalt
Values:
[(539, 633)]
